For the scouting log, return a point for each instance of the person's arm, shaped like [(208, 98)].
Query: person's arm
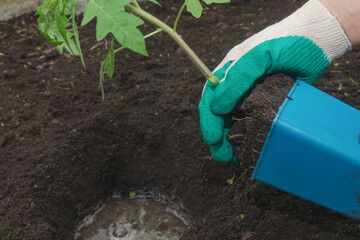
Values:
[(347, 12), (302, 46)]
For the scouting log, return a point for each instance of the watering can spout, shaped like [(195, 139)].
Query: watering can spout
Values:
[(313, 150)]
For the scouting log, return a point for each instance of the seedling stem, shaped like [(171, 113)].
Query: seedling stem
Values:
[(178, 17), (176, 37)]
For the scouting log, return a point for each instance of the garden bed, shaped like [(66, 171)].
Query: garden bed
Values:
[(62, 149)]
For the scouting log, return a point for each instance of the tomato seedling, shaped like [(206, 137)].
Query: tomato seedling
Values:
[(57, 23)]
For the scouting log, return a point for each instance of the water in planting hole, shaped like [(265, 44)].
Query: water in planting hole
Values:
[(146, 216)]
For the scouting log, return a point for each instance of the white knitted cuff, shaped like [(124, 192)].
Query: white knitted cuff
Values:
[(313, 21)]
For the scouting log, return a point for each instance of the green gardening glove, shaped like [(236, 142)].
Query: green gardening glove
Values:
[(302, 46)]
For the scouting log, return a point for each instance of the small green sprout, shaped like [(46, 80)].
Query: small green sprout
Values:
[(336, 64), (353, 81), (20, 31), (38, 48), (341, 87), (240, 217), (231, 180), (132, 194)]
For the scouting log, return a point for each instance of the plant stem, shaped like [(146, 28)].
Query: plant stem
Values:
[(102, 79), (177, 38), (178, 17), (136, 4), (146, 36)]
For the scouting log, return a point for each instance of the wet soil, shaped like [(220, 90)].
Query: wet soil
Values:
[(140, 217), (62, 149)]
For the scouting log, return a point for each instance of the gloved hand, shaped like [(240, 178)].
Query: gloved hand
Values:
[(302, 46)]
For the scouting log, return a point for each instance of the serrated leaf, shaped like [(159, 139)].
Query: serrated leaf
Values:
[(62, 23), (154, 1), (47, 28), (71, 46), (46, 21), (110, 60), (112, 18), (53, 24), (194, 7), (54, 36)]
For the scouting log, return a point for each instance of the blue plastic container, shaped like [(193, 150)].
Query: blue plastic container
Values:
[(313, 150)]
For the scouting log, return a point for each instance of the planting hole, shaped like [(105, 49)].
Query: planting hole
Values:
[(146, 216)]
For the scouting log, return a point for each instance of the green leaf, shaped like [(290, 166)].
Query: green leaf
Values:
[(154, 1), (48, 28), (132, 194), (76, 32), (112, 18), (194, 7), (46, 6), (53, 24), (62, 23), (110, 60)]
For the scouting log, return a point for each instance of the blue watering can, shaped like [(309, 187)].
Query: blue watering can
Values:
[(313, 150)]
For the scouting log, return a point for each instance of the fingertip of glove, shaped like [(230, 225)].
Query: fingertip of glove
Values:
[(221, 154), (212, 128), (212, 133)]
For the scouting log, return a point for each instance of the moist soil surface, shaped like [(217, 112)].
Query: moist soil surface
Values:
[(63, 150)]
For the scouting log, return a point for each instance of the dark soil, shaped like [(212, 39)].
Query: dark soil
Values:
[(256, 113), (62, 149)]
